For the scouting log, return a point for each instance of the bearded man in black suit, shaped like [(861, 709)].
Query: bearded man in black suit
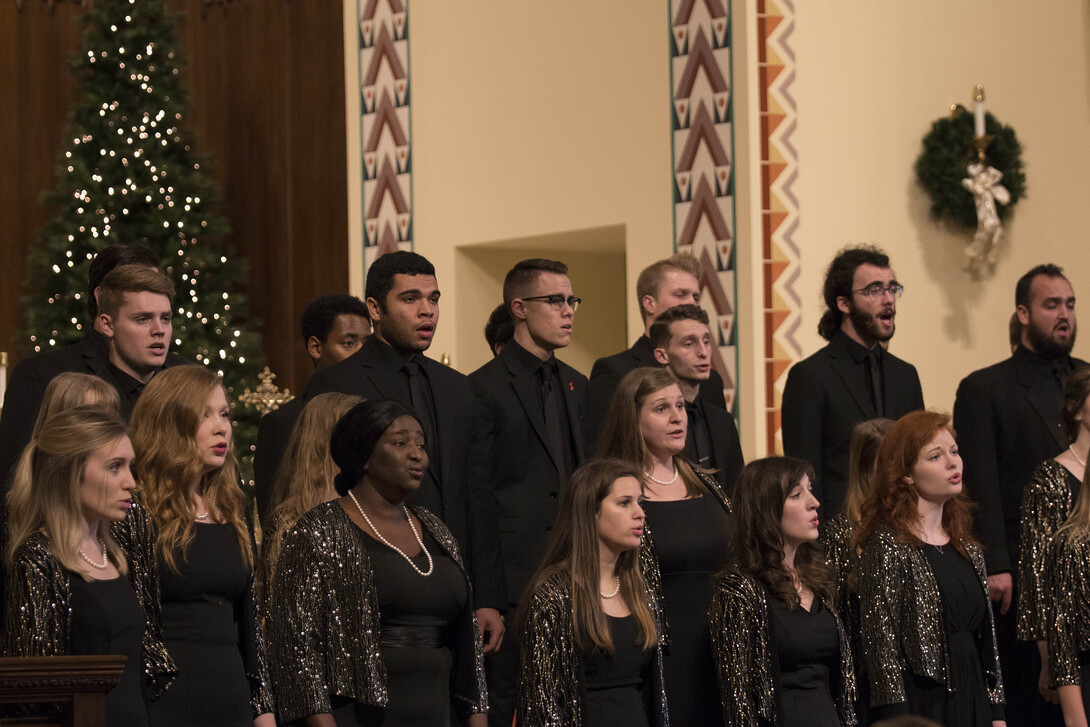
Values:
[(532, 408), (403, 302), (1009, 419), (854, 377)]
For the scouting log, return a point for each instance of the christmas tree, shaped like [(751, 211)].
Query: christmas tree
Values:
[(128, 174)]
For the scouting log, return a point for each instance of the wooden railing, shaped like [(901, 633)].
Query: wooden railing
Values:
[(66, 691)]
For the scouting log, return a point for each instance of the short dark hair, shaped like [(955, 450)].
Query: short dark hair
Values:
[(525, 272), (500, 327), (1014, 330), (838, 282), (660, 329), (380, 276), (356, 434), (108, 258), (321, 313), (1022, 287)]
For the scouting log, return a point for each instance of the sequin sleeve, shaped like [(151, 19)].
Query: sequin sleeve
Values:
[(1046, 503), (836, 541), (1070, 608), (738, 620), (882, 576), (548, 683), (136, 537), (252, 634), (38, 610)]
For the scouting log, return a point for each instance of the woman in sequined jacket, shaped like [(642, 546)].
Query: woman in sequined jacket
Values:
[(591, 647), (361, 632), (1068, 605), (1046, 503), (842, 556), (71, 589), (927, 627), (781, 652)]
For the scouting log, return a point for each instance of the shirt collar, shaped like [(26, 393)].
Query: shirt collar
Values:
[(524, 360)]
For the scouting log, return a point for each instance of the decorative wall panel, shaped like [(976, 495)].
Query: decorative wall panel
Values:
[(703, 183)]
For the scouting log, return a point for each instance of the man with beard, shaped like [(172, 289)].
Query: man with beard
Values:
[(853, 378), (1009, 420)]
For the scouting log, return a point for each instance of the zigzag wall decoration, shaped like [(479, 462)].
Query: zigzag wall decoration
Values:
[(702, 127), (386, 136), (779, 206)]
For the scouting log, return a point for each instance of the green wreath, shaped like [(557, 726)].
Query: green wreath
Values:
[(948, 148)]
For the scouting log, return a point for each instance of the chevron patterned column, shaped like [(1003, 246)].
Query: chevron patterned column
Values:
[(779, 206), (386, 139), (702, 126)]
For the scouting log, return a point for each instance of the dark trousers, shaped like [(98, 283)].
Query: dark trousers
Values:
[(1021, 664), (502, 672)]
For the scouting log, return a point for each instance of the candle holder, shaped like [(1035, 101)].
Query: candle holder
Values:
[(981, 144)]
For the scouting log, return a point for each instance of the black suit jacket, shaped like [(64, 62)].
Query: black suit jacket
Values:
[(27, 383), (824, 398), (367, 373), (1007, 422), (516, 461), (272, 439), (606, 375), (726, 447)]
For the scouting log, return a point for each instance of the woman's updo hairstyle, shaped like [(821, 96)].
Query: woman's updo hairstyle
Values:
[(355, 436)]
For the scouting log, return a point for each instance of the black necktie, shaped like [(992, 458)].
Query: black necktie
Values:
[(553, 409), (876, 382), (420, 394), (698, 441)]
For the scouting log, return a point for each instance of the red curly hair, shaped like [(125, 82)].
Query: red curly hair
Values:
[(892, 502)]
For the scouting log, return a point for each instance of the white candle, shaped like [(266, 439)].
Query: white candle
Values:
[(978, 111)]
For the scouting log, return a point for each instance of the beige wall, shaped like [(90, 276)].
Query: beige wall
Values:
[(549, 122), (872, 76)]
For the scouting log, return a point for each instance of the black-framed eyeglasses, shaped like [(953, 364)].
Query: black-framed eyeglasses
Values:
[(877, 290), (557, 301)]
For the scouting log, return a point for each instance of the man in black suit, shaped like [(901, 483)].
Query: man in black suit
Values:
[(853, 378), (125, 357), (682, 342), (531, 407), (660, 286), (1009, 419), (334, 327), (403, 303)]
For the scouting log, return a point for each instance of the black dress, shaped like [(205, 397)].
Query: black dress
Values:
[(806, 645), (963, 612), (202, 609), (418, 615), (107, 619), (691, 539), (618, 685)]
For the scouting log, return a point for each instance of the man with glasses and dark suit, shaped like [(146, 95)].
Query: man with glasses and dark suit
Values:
[(854, 377)]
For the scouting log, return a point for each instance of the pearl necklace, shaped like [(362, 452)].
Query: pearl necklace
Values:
[(1080, 460), (105, 558), (615, 590), (388, 544), (671, 481)]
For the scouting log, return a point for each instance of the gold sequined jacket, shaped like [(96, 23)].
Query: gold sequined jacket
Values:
[(741, 642), (903, 630), (1067, 573), (551, 670), (324, 622), (38, 611), (1046, 504), (836, 539)]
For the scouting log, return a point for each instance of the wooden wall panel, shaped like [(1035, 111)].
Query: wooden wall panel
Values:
[(266, 108)]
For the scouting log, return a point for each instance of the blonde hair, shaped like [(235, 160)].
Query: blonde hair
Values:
[(305, 477), (164, 425), (70, 389), (651, 278), (45, 494), (1079, 519)]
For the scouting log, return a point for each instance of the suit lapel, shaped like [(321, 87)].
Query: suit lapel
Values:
[(388, 382), (1040, 402), (575, 425), (526, 389), (446, 415), (643, 353), (848, 372)]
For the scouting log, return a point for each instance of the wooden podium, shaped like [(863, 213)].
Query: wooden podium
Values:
[(65, 691)]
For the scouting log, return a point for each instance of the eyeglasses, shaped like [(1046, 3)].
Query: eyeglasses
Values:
[(877, 290), (557, 301)]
